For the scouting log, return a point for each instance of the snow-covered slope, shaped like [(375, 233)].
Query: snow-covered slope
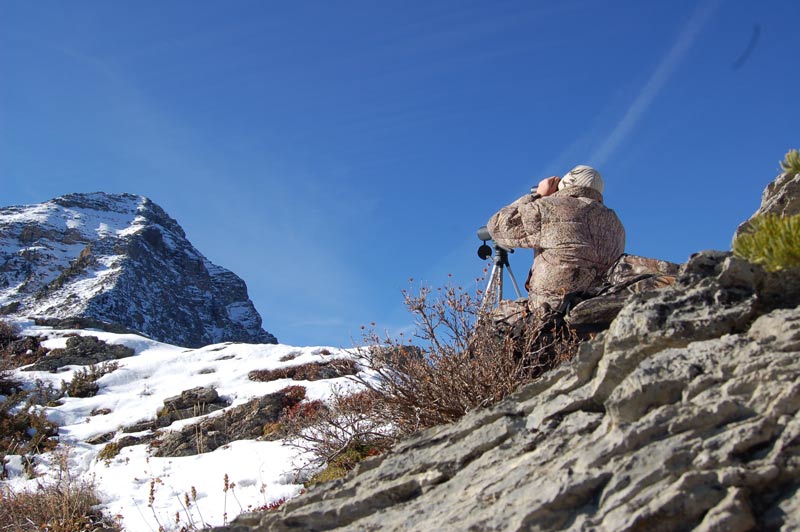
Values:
[(263, 471), (120, 259)]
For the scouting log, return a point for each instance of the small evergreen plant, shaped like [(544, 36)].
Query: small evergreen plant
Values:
[(791, 162), (771, 241)]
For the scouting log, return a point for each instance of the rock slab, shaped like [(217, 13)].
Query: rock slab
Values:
[(684, 415)]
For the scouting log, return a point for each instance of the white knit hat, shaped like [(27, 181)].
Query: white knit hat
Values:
[(582, 176)]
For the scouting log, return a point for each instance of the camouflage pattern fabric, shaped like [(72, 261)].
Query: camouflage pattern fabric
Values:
[(635, 274), (576, 239), (509, 311)]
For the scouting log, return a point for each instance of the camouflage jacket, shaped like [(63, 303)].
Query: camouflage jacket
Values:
[(574, 236)]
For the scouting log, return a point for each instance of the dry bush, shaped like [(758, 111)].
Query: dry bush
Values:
[(24, 428), (16, 351), (8, 333), (67, 505), (467, 360), (293, 394), (8, 384), (464, 360), (312, 371), (341, 433)]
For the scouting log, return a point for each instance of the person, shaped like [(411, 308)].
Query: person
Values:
[(576, 239)]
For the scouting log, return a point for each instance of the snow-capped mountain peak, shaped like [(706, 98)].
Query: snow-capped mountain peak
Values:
[(119, 259)]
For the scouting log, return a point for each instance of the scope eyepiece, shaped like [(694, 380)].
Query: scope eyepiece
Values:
[(483, 234)]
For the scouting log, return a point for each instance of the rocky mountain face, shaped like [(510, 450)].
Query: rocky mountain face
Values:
[(683, 415), (119, 259)]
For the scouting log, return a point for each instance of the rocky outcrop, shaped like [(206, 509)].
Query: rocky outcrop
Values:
[(119, 259), (189, 404), (683, 415), (781, 197), (246, 421), (80, 351)]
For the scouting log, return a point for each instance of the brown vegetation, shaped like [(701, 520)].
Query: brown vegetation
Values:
[(465, 360), (16, 351), (339, 434), (65, 505), (24, 428)]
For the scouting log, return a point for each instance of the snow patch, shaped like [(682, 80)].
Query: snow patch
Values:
[(263, 471)]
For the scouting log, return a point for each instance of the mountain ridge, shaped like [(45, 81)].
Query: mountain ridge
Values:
[(119, 259)]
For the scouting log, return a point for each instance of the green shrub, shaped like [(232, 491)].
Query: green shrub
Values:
[(771, 241), (16, 351), (791, 162), (8, 384), (84, 380)]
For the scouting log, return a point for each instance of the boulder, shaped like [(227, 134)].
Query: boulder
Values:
[(245, 421), (190, 403), (781, 197), (80, 351)]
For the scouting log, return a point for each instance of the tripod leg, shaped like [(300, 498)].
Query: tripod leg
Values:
[(495, 280), (499, 285), (487, 294), (514, 281)]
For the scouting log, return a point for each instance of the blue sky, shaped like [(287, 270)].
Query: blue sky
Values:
[(327, 152)]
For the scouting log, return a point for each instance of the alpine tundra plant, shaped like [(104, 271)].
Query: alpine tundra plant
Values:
[(791, 162), (771, 241)]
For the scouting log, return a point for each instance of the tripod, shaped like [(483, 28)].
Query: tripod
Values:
[(494, 290)]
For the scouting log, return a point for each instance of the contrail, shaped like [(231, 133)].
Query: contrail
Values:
[(657, 80), (750, 47)]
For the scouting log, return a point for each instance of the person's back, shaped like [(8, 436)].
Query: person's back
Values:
[(575, 237)]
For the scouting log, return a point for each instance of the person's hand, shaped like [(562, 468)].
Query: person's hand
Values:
[(548, 186)]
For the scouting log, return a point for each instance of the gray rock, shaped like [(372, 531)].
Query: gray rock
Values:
[(781, 197), (140, 426), (81, 351), (684, 415), (100, 438), (246, 421), (190, 403)]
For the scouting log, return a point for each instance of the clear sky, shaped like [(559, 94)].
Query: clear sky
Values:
[(327, 152)]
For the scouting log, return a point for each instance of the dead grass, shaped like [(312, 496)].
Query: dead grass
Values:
[(67, 505)]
